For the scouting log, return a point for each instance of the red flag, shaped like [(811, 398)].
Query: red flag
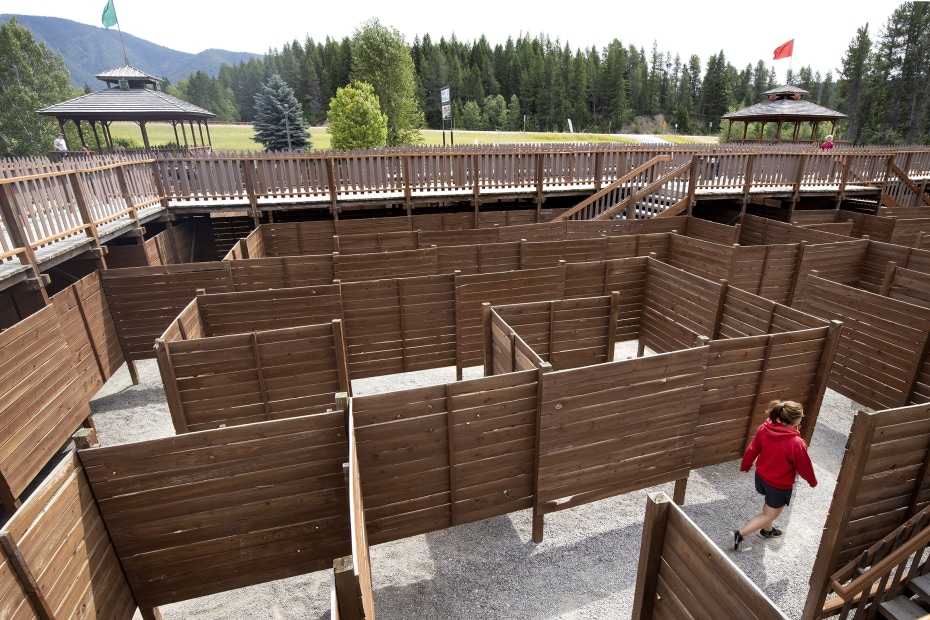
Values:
[(784, 50)]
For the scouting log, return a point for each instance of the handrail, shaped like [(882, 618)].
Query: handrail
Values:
[(876, 571), (612, 187), (646, 191)]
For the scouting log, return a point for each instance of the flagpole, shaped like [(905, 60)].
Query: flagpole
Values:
[(125, 57)]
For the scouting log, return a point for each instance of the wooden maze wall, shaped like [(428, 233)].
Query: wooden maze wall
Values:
[(52, 364), (883, 481)]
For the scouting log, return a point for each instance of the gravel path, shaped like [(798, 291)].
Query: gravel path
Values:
[(584, 568)]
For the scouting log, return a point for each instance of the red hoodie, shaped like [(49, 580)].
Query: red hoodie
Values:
[(782, 456)]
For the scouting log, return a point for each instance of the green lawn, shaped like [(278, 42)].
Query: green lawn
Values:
[(238, 137)]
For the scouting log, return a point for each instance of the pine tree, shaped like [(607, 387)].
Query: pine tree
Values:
[(279, 122)]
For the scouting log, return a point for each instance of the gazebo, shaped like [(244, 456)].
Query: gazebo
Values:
[(133, 95), (785, 104)]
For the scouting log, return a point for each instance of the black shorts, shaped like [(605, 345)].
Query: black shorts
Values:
[(774, 497)]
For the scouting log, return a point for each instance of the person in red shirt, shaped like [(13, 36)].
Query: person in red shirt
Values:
[(780, 456), (827, 143)]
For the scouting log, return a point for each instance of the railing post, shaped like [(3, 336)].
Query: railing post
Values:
[(248, 176), (89, 222), (333, 191), (747, 183), (159, 183), (18, 236), (127, 194)]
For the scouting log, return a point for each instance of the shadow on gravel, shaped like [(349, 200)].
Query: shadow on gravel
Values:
[(486, 570)]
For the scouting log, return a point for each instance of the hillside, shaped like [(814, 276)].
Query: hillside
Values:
[(88, 50)]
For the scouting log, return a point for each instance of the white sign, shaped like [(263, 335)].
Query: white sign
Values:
[(446, 110), (444, 95)]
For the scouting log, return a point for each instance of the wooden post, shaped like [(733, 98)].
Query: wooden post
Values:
[(348, 595), (747, 184), (342, 357), (133, 371), (890, 268), (18, 236), (29, 583), (90, 229), (537, 515), (612, 325), (87, 330), (450, 438), (721, 306), (123, 182), (169, 381), (488, 355), (858, 447), (150, 613), (692, 183), (650, 555)]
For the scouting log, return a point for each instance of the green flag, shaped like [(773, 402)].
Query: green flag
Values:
[(109, 14)]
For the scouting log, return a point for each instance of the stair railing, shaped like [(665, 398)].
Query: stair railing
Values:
[(594, 206), (881, 572)]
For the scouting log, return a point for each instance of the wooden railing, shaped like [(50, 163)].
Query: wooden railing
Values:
[(80, 200), (881, 572)]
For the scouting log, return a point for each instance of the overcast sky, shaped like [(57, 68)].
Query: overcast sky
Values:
[(746, 31)]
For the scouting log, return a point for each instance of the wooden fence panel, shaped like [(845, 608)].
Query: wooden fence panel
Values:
[(62, 540), (438, 456), (710, 231), (766, 270), (370, 242), (684, 574), (703, 258), (493, 431), (399, 325), (246, 311), (298, 238), (282, 272), (143, 301), (236, 506), (42, 399), (85, 320), (538, 254), (735, 367), (244, 378), (879, 254), (838, 262), (445, 238), (617, 427), (908, 231), (567, 334), (881, 347), (361, 557), (882, 482), (677, 307), (628, 277), (497, 289), (817, 216), (383, 265)]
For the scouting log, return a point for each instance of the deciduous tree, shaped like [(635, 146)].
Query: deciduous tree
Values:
[(32, 77), (381, 57), (355, 118)]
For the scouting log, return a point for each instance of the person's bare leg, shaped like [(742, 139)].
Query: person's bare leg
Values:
[(762, 521)]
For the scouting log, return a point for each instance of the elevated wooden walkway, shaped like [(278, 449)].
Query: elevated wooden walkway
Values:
[(52, 212)]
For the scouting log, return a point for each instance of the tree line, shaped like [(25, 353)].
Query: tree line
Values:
[(537, 83), (528, 83)]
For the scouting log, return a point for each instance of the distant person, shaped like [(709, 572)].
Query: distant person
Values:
[(827, 143), (60, 145), (782, 456)]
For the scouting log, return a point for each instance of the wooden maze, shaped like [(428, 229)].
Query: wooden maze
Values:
[(257, 353)]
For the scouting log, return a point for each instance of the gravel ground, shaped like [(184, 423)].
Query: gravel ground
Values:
[(584, 568)]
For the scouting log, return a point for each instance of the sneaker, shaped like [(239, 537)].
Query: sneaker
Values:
[(735, 539), (772, 533)]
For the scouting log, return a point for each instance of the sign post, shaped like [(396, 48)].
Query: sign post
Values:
[(446, 102)]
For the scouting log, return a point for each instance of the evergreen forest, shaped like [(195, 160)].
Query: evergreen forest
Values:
[(537, 84)]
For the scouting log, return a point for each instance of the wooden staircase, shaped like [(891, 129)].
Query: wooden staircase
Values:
[(904, 607)]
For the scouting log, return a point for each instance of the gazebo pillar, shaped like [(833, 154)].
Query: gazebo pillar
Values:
[(93, 126), (177, 140), (184, 133), (745, 129), (145, 135), (778, 131), (209, 139)]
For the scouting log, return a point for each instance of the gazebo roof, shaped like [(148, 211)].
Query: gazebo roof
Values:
[(127, 72), (127, 105), (785, 104)]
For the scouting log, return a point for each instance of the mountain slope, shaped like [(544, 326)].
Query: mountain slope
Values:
[(89, 50)]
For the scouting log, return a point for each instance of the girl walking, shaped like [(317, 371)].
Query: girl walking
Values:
[(782, 456)]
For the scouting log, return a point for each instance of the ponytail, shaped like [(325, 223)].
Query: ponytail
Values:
[(788, 412)]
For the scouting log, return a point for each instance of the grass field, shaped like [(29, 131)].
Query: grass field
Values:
[(238, 137)]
